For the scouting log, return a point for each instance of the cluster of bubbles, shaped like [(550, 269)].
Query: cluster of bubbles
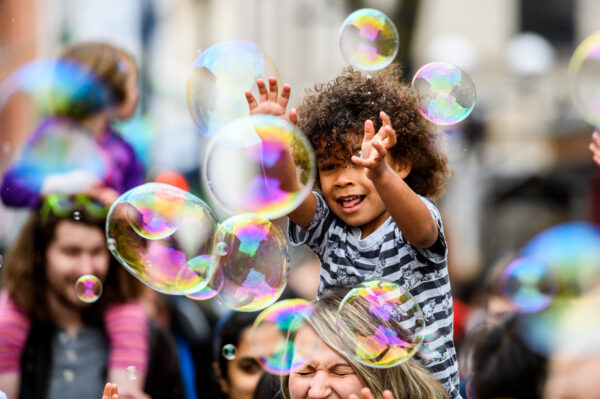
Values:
[(38, 101), (243, 260), (584, 78), (88, 288), (555, 272)]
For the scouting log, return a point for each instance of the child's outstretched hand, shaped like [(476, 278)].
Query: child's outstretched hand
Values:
[(375, 147), (595, 147), (269, 102)]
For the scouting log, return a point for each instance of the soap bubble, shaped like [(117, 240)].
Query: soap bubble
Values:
[(368, 39), (274, 336), (444, 93), (380, 323), (149, 228), (256, 264), (528, 284), (218, 80), (253, 165), (229, 351), (131, 372), (40, 102), (571, 253), (584, 78), (212, 288), (89, 288)]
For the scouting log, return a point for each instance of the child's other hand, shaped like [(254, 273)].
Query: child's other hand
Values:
[(375, 147), (595, 147), (269, 102), (110, 391)]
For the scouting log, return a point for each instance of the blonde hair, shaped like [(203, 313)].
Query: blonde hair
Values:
[(406, 380)]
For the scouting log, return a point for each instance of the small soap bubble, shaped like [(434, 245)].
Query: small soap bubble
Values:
[(281, 338), (89, 288), (221, 249), (1, 260), (111, 243), (528, 284), (444, 93), (229, 351), (368, 39), (76, 215), (380, 323), (132, 373)]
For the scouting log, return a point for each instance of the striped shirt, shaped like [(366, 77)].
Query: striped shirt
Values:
[(347, 260)]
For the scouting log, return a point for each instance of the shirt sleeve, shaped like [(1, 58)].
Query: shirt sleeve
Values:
[(315, 236)]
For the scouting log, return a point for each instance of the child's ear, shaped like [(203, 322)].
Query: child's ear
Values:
[(403, 167)]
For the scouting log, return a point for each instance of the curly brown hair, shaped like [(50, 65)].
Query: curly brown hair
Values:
[(332, 115)]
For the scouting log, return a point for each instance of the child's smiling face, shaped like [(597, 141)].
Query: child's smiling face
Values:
[(349, 193)]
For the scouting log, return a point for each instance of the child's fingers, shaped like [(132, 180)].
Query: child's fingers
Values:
[(369, 130), (293, 116), (380, 148), (284, 98), (273, 89), (366, 393), (390, 136), (385, 119), (596, 138), (387, 394), (263, 93), (252, 103)]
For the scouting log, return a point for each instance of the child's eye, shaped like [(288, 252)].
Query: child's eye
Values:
[(326, 168)]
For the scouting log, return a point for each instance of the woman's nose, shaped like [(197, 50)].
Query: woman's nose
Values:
[(320, 386)]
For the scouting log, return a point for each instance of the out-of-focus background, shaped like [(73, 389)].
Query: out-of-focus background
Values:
[(520, 160)]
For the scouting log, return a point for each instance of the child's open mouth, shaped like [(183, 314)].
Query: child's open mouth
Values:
[(351, 203)]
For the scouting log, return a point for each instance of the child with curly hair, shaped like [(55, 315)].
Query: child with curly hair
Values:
[(372, 216)]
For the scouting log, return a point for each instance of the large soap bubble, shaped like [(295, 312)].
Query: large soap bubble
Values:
[(254, 164), (146, 229), (584, 78), (38, 102), (274, 336), (218, 80), (444, 93), (571, 252), (368, 39), (380, 323), (254, 260)]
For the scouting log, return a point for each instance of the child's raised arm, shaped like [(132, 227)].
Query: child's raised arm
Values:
[(271, 103), (404, 205)]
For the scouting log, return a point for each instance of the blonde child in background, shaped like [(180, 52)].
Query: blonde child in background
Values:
[(371, 218)]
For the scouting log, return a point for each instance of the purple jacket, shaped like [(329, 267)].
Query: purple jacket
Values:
[(124, 171)]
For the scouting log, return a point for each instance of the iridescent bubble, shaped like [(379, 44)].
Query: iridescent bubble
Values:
[(256, 265), (368, 39), (274, 336), (584, 78), (432, 341), (111, 243), (254, 164), (444, 93), (131, 372), (528, 284), (36, 101), (143, 214), (221, 249), (76, 215), (229, 351), (571, 253), (218, 80), (88, 288), (380, 323)]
